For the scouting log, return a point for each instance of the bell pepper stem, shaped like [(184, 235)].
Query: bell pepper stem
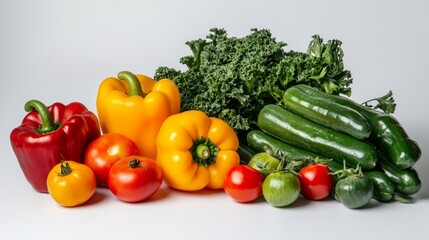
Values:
[(203, 151), (47, 124), (135, 89)]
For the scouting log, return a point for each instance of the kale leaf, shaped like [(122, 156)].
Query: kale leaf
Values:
[(233, 78)]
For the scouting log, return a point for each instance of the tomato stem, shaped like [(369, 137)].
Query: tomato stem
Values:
[(342, 173), (65, 169), (134, 163)]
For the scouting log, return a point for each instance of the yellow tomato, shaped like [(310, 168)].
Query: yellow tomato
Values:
[(71, 183)]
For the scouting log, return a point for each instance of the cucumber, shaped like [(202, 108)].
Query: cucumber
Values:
[(245, 152), (302, 133), (329, 114), (384, 188), (260, 141), (387, 134), (406, 181)]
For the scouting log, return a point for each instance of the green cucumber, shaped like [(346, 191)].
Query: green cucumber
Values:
[(406, 181), (329, 114), (387, 134), (245, 152), (261, 142), (313, 137), (384, 188)]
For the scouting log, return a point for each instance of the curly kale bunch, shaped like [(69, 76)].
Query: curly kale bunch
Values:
[(233, 78)]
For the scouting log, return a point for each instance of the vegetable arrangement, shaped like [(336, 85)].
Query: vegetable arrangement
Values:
[(234, 78), (246, 116)]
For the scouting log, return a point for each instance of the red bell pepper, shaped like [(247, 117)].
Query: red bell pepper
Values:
[(49, 135)]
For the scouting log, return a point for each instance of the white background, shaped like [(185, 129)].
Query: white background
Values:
[(62, 50)]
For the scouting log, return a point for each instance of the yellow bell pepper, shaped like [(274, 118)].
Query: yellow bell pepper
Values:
[(136, 106), (196, 151)]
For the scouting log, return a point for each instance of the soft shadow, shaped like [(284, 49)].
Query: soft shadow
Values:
[(372, 204), (95, 199), (162, 193), (300, 202), (202, 192)]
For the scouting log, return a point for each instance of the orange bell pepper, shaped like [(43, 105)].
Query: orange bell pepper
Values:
[(195, 151), (136, 106)]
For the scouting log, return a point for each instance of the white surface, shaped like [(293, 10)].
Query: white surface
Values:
[(64, 49)]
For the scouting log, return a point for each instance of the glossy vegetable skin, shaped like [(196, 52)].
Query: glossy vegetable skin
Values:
[(243, 183), (104, 151), (245, 152), (136, 106), (384, 187), (387, 134), (326, 113), (71, 183), (314, 137), (384, 190), (354, 191), (281, 188), (406, 181), (196, 151), (264, 163), (261, 141), (50, 134), (134, 178), (316, 182)]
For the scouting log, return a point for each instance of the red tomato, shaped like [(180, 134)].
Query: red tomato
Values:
[(316, 182), (104, 151), (243, 183), (134, 178)]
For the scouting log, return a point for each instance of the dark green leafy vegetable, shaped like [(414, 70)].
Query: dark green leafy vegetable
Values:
[(385, 103), (233, 78)]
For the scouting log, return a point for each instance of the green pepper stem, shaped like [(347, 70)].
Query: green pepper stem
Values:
[(47, 124), (203, 151), (133, 83)]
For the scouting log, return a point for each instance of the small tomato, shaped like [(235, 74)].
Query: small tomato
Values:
[(104, 151), (281, 188), (71, 183), (134, 178), (316, 182), (243, 183), (264, 163)]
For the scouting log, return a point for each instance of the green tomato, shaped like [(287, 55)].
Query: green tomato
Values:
[(354, 191), (264, 163), (281, 188)]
